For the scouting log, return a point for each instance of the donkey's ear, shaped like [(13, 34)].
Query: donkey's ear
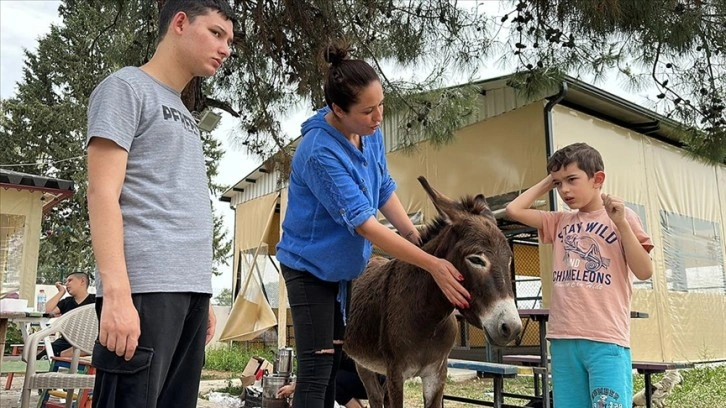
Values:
[(481, 204), (447, 208)]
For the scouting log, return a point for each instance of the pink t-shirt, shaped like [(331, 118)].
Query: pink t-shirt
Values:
[(591, 282)]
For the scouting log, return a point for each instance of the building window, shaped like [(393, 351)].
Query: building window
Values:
[(640, 210), (692, 251)]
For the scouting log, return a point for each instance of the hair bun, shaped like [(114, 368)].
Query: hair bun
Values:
[(335, 54)]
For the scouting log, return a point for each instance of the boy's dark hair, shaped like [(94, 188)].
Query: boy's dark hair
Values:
[(80, 275), (585, 156), (345, 77), (192, 8)]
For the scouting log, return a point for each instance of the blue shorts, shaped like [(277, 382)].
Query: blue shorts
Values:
[(588, 373)]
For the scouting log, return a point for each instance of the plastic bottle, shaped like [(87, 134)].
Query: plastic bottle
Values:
[(40, 303)]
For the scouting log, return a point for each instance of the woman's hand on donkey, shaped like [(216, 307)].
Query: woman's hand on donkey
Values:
[(448, 278)]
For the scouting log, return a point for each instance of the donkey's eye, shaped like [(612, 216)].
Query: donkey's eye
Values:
[(477, 260)]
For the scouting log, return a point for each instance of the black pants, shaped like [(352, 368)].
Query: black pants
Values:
[(348, 384), (317, 321), (166, 368), (58, 345)]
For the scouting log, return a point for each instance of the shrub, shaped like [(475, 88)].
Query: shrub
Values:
[(233, 357), (14, 336)]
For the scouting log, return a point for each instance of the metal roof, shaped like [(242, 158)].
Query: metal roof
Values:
[(54, 190), (498, 97)]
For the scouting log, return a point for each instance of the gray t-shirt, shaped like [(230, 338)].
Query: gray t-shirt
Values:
[(165, 199)]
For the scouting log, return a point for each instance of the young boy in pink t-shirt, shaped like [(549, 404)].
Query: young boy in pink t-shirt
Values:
[(595, 248)]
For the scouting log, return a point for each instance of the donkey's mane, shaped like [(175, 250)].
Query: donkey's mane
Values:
[(467, 203)]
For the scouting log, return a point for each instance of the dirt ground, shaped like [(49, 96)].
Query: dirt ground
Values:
[(11, 398), (211, 381)]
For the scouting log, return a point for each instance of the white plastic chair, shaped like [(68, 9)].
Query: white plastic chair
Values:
[(80, 328)]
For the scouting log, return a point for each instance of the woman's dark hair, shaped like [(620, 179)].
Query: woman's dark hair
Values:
[(345, 77)]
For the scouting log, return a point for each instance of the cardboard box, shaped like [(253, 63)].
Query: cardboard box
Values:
[(252, 369)]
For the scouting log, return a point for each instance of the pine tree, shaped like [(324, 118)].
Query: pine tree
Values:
[(43, 127), (276, 67), (677, 46)]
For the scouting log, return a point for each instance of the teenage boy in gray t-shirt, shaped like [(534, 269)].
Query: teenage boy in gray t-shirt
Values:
[(150, 215)]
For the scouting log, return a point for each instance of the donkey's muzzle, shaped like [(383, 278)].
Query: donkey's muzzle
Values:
[(502, 323)]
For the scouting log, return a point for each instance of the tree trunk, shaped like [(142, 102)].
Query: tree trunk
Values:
[(192, 96)]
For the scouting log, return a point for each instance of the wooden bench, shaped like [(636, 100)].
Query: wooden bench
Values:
[(16, 350), (531, 361), (648, 368), (496, 371)]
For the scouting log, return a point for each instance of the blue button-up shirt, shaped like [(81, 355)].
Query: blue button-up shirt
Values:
[(334, 187)]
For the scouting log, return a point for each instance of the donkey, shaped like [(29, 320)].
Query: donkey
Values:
[(400, 323)]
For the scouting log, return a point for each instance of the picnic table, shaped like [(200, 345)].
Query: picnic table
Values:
[(541, 364), (20, 317), (540, 316)]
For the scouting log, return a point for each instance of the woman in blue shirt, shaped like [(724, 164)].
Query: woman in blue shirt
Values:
[(339, 180)]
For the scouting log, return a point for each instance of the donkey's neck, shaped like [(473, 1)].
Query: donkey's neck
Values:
[(435, 242), (435, 304)]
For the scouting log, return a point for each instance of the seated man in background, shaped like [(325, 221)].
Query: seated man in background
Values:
[(77, 287)]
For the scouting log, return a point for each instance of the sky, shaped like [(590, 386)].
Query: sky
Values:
[(23, 22)]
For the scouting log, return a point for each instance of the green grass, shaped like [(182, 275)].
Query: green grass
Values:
[(228, 361), (18, 366), (233, 358), (231, 389), (703, 387), (13, 336)]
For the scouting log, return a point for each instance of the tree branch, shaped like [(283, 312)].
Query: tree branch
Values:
[(364, 43), (100, 33), (214, 103)]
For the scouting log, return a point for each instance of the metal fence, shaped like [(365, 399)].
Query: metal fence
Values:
[(471, 342)]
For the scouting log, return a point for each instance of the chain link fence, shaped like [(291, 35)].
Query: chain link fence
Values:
[(471, 342)]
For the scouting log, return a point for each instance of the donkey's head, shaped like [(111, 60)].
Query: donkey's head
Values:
[(466, 234)]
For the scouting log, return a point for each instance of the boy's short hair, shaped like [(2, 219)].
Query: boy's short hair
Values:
[(80, 275), (585, 156), (192, 8)]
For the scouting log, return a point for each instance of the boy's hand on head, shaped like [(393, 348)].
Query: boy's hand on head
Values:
[(548, 182), (615, 208)]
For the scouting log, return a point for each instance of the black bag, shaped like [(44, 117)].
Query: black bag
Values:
[(253, 397)]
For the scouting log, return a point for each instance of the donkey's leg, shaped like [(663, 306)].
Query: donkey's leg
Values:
[(394, 388), (433, 387), (374, 389)]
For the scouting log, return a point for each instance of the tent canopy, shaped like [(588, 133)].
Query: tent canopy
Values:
[(24, 198)]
